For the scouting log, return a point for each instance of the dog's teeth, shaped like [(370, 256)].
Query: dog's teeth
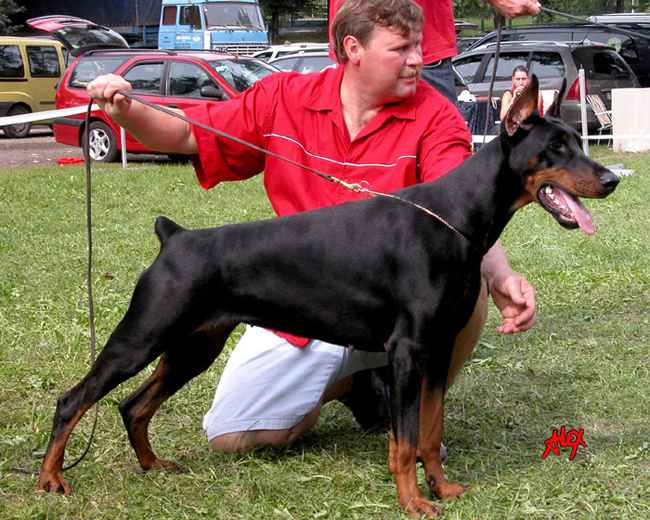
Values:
[(550, 194)]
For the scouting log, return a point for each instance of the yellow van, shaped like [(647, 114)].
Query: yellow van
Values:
[(30, 69)]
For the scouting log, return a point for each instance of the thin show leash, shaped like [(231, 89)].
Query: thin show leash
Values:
[(488, 102), (497, 50), (599, 24), (91, 305), (354, 188)]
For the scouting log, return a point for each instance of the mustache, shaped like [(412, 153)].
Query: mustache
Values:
[(409, 72)]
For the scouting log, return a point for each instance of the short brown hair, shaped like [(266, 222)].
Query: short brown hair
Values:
[(358, 18)]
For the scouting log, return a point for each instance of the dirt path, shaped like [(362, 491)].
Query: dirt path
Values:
[(39, 148)]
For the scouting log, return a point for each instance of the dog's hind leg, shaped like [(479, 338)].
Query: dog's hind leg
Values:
[(149, 327), (116, 363), (176, 367)]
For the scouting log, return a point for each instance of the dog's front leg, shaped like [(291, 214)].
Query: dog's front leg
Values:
[(405, 402), (430, 438)]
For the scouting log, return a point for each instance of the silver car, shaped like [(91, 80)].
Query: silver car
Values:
[(551, 63)]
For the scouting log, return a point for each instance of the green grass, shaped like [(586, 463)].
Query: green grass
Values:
[(585, 365)]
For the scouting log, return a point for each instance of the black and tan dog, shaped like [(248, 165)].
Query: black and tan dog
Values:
[(376, 274)]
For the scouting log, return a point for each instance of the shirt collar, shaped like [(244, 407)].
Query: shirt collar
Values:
[(328, 98)]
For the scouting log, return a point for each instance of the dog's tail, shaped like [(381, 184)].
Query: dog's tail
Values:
[(165, 228)]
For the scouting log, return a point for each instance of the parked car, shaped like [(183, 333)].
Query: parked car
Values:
[(275, 51), (30, 69), (304, 62), (78, 34), (176, 79), (635, 50), (463, 43), (604, 69)]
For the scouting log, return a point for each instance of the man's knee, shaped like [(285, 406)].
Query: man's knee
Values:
[(469, 337), (243, 442)]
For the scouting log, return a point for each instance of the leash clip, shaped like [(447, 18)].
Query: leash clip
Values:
[(357, 187)]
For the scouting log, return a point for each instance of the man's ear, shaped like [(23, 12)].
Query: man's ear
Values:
[(352, 48)]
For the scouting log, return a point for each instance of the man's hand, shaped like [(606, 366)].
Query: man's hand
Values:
[(103, 90), (515, 298), (514, 8)]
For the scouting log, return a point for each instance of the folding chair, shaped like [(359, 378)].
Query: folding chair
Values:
[(548, 96), (603, 115)]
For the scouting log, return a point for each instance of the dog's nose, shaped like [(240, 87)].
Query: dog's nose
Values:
[(609, 180)]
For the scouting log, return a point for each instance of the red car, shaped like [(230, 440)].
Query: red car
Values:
[(175, 79)]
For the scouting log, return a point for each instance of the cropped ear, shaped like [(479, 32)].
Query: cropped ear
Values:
[(554, 110), (524, 106)]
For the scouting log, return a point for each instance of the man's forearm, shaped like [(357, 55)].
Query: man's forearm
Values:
[(495, 263), (157, 130)]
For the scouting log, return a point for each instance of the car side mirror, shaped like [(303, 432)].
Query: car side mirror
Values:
[(213, 91)]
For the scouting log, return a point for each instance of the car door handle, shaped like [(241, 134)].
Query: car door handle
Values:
[(173, 105)]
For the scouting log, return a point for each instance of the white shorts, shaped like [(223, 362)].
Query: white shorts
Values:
[(269, 384)]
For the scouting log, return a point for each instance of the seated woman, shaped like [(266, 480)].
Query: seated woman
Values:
[(520, 79)]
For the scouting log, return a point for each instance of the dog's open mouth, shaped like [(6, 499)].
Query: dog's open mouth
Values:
[(567, 209)]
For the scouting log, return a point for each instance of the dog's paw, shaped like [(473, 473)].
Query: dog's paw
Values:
[(54, 484), (448, 491), (419, 507)]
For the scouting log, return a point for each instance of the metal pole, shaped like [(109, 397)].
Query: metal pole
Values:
[(123, 143), (583, 111)]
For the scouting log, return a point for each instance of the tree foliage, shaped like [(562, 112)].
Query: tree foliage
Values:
[(8, 8), (275, 10)]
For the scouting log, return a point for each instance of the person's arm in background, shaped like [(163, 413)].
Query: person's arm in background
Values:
[(514, 8)]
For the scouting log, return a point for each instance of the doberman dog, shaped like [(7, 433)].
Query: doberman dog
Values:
[(376, 274)]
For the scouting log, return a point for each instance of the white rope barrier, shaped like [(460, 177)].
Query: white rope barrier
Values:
[(44, 115), (66, 112)]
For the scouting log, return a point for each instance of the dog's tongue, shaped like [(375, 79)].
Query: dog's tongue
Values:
[(582, 215)]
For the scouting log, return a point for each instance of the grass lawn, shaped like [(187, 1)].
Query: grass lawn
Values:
[(584, 366)]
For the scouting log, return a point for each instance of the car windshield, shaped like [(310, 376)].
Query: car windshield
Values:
[(601, 63), (233, 14), (88, 68), (240, 74)]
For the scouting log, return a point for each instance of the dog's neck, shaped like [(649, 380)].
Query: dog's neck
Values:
[(479, 195)]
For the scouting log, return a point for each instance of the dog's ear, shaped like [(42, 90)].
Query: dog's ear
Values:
[(554, 110), (523, 107)]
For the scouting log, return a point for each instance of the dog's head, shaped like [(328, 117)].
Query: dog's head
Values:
[(547, 155)]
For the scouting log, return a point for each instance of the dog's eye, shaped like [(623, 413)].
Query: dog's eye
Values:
[(557, 146)]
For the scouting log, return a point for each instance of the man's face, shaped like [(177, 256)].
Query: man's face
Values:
[(392, 62)]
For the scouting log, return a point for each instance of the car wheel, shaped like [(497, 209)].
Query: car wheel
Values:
[(20, 130), (103, 145)]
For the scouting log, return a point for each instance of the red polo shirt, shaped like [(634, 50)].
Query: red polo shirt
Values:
[(299, 116)]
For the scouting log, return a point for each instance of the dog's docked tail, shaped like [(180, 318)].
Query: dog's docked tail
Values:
[(165, 228)]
